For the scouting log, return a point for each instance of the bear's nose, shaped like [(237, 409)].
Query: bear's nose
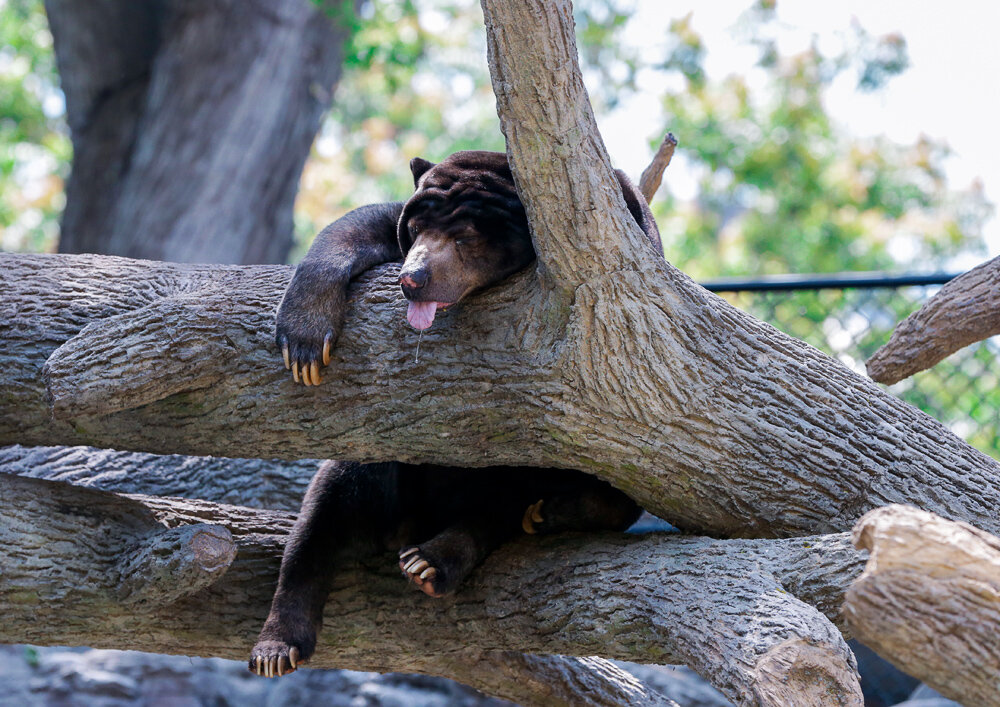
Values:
[(413, 280)]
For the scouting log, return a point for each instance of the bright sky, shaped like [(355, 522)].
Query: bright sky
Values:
[(951, 91)]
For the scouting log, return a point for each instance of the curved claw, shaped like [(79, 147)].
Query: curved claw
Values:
[(419, 567), (314, 373), (532, 515), (295, 371), (293, 657), (326, 348)]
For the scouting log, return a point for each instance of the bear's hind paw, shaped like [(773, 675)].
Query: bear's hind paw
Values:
[(418, 569)]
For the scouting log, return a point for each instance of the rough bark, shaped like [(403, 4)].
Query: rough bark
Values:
[(255, 483), (548, 680), (190, 123), (965, 311), (929, 600), (737, 611)]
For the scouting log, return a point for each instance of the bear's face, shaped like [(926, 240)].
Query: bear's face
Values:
[(462, 230)]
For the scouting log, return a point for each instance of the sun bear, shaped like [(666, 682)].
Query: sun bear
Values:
[(463, 229)]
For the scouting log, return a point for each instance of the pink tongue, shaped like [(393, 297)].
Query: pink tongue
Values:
[(420, 315)]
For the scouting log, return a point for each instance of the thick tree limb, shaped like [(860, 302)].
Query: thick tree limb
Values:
[(929, 600), (965, 311), (546, 680), (581, 228), (730, 612), (764, 436)]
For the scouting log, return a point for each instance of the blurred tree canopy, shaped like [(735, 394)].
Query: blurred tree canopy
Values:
[(781, 187)]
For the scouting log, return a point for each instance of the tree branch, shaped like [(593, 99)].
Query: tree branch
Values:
[(764, 436), (929, 600), (255, 483), (651, 177), (546, 680), (729, 616), (580, 225), (965, 311)]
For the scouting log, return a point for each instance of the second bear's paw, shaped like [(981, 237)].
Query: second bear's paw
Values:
[(419, 568)]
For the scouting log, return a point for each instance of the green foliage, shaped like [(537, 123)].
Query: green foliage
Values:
[(34, 143), (610, 66), (782, 189)]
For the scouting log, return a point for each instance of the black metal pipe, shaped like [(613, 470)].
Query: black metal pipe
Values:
[(831, 281)]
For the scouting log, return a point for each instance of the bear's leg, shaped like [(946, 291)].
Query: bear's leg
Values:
[(347, 507), (520, 500), (582, 503)]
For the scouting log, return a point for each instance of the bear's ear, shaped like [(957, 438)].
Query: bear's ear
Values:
[(418, 165)]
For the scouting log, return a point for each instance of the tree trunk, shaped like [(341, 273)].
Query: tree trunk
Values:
[(965, 311), (929, 601), (190, 123), (739, 611)]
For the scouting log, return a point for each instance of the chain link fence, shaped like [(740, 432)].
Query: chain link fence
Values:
[(850, 316)]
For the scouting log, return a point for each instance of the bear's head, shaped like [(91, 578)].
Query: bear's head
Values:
[(463, 229)]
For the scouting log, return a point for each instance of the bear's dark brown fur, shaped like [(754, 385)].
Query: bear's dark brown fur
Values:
[(463, 229)]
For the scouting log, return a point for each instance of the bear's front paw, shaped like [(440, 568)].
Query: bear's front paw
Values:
[(309, 321), (274, 658), (305, 331), (304, 353)]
